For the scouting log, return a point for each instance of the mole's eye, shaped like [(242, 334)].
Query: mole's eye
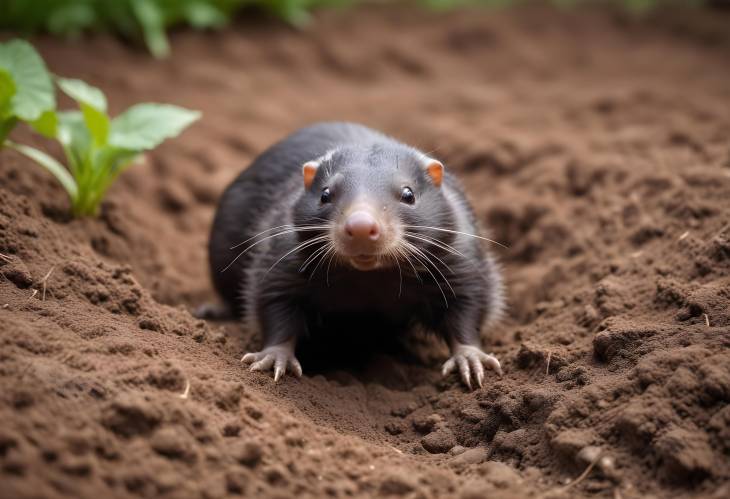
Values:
[(407, 196), (326, 195)]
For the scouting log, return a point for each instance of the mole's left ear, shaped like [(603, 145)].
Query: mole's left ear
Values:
[(309, 170), (435, 169)]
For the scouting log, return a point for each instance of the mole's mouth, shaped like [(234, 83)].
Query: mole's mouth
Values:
[(364, 262), (365, 258)]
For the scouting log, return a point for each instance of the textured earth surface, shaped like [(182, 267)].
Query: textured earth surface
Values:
[(596, 147)]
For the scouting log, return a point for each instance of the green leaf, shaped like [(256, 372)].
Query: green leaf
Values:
[(204, 15), (6, 126), (71, 19), (93, 107), (7, 90), (50, 164), (74, 137), (152, 21), (46, 125), (115, 160), (34, 87), (639, 6), (292, 11), (98, 124), (145, 126), (82, 92), (71, 129)]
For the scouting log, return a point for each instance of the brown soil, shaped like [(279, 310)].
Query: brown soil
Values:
[(596, 148)]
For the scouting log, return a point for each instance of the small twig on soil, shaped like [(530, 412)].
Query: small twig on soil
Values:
[(32, 295), (184, 395), (547, 367), (6, 258), (45, 280), (683, 236), (396, 449), (585, 473), (636, 254), (707, 320)]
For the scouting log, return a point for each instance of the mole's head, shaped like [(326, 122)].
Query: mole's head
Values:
[(376, 202)]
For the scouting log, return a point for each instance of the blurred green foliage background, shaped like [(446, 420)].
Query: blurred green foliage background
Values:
[(149, 19)]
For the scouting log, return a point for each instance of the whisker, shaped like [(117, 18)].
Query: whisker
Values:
[(435, 242), (456, 232), (400, 272), (320, 252), (435, 267), (284, 232), (311, 258), (330, 248), (446, 247), (299, 247), (415, 255), (287, 226), (248, 248), (446, 266), (405, 255), (329, 263)]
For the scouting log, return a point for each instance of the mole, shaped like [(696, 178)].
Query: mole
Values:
[(337, 223)]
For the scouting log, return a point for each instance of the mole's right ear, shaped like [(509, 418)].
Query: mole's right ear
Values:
[(309, 170)]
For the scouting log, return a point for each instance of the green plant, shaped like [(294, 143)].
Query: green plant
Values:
[(143, 19), (97, 147), (148, 20), (26, 89)]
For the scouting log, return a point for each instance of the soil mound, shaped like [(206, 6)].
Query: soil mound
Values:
[(596, 148)]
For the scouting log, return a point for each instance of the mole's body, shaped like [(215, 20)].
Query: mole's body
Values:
[(339, 222)]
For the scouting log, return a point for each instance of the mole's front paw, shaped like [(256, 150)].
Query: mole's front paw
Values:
[(471, 361), (278, 357)]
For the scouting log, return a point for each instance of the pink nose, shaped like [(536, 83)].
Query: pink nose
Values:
[(361, 225)]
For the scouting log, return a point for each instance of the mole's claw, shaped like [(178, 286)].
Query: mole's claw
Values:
[(471, 362), (263, 364), (296, 367), (248, 358), (276, 358), (280, 366), (449, 366), (464, 370), (492, 362), (478, 371)]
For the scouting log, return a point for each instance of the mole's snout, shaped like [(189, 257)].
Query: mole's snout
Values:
[(361, 226)]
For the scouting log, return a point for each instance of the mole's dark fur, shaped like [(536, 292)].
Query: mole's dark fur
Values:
[(450, 286)]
